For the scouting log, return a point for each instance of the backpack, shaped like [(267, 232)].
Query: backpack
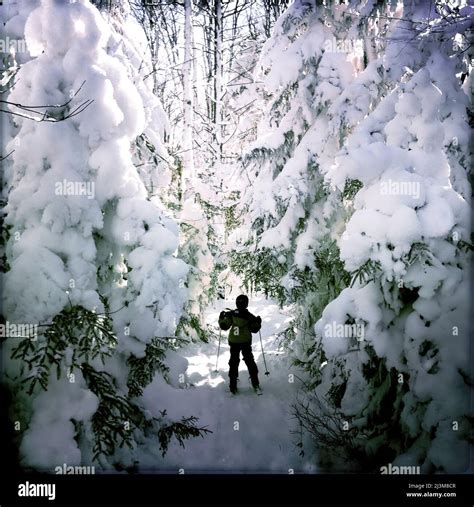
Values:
[(255, 324)]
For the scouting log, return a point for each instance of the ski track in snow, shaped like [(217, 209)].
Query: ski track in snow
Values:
[(264, 442)]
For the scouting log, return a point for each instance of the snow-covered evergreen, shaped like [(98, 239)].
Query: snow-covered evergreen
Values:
[(358, 213), (97, 269)]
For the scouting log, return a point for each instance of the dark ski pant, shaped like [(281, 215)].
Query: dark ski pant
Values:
[(234, 361)]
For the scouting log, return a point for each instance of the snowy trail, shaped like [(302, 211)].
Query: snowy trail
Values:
[(250, 433)]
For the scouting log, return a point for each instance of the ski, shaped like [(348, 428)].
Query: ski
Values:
[(257, 390)]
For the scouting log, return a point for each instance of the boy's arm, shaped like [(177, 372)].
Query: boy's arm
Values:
[(225, 320)]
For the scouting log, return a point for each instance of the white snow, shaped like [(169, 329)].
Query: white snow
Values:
[(264, 441)]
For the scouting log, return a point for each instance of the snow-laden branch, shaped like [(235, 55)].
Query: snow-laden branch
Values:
[(45, 115)]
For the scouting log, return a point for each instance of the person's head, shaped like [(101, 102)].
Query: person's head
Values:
[(242, 302)]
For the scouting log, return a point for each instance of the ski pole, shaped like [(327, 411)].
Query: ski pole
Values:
[(263, 354), (218, 349)]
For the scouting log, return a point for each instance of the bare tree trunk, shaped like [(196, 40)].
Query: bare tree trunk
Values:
[(218, 75), (272, 11), (188, 157)]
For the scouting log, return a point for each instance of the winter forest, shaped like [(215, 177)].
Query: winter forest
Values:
[(160, 158)]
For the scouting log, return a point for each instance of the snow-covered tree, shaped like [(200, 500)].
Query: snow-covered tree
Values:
[(91, 257), (405, 389), (358, 214), (289, 217)]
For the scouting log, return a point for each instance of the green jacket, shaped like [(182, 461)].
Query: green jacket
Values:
[(241, 324)]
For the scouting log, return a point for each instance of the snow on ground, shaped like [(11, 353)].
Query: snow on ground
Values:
[(250, 433)]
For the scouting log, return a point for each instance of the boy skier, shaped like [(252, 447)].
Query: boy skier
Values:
[(241, 324)]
